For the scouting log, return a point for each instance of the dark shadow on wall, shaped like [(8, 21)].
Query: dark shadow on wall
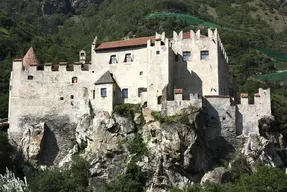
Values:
[(221, 140), (187, 80), (50, 148), (239, 122)]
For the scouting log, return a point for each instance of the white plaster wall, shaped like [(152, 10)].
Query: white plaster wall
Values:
[(199, 76), (221, 118), (158, 73), (127, 75), (104, 102), (249, 114)]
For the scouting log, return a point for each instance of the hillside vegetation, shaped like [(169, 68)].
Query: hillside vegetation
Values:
[(58, 30)]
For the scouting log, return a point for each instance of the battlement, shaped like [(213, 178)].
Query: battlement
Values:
[(259, 98), (61, 66)]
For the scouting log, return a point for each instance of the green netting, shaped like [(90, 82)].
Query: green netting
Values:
[(277, 55), (274, 77)]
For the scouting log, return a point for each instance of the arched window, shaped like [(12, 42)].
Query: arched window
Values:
[(75, 80), (159, 99), (113, 59)]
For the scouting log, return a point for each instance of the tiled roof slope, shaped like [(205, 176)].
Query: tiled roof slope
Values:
[(124, 43), (30, 58), (106, 78), (132, 42)]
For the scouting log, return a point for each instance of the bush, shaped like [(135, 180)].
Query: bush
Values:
[(10, 183), (74, 179), (127, 109), (168, 119), (137, 146)]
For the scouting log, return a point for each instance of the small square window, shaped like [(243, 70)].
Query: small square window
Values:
[(103, 92), (204, 55), (141, 90), (61, 98), (186, 56), (141, 73), (157, 52), (125, 93), (72, 96), (30, 77)]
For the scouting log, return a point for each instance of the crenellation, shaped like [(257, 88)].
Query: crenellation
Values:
[(163, 74)]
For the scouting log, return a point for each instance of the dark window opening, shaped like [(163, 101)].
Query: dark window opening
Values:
[(30, 77), (75, 80), (94, 94), (162, 43), (113, 59), (186, 56), (72, 96), (125, 93), (103, 92), (223, 118), (159, 100), (141, 73), (128, 58), (141, 90), (204, 55), (55, 68), (93, 71), (61, 98), (157, 52), (82, 54), (40, 68)]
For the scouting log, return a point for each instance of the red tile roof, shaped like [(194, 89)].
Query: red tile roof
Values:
[(18, 59), (178, 91), (30, 58), (133, 42), (124, 43), (244, 95)]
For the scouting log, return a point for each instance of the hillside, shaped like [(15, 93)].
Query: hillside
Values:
[(59, 29)]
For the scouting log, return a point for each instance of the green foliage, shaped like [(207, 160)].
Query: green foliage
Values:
[(137, 146), (74, 179), (133, 180), (10, 183), (264, 180), (5, 151), (169, 119), (127, 109)]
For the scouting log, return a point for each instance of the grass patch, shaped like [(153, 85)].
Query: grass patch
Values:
[(281, 77)]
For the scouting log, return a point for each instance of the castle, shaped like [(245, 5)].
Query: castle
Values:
[(164, 74)]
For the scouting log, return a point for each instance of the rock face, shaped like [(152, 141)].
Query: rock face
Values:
[(179, 153)]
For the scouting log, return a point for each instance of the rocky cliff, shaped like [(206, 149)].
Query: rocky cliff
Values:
[(169, 153)]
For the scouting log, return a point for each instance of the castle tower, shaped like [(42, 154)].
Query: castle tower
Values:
[(30, 59), (82, 55)]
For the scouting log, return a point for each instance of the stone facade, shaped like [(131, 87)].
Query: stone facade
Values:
[(166, 74)]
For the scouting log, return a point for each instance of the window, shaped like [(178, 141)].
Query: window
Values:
[(204, 55), (141, 72), (82, 54), (125, 93), (103, 92), (72, 96), (186, 56), (128, 58), (157, 52), (113, 59), (61, 98), (30, 77), (94, 94), (141, 90), (159, 99), (75, 80)]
